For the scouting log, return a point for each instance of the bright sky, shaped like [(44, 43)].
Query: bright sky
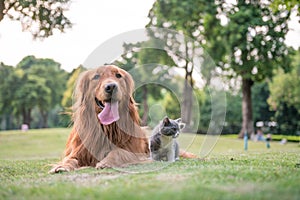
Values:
[(95, 21)]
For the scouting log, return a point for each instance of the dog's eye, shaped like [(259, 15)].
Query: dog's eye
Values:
[(118, 75), (96, 77)]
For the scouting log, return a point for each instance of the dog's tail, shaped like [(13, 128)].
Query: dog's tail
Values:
[(185, 154)]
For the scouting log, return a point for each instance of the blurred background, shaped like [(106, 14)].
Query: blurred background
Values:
[(254, 46)]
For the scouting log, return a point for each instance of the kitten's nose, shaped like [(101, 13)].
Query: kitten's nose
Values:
[(176, 135)]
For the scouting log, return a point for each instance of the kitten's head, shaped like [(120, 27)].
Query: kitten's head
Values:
[(170, 127)]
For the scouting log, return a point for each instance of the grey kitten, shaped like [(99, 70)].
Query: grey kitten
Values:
[(163, 143)]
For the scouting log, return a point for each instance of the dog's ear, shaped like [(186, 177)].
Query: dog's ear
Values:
[(129, 82), (82, 86)]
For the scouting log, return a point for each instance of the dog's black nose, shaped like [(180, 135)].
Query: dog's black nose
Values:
[(110, 87)]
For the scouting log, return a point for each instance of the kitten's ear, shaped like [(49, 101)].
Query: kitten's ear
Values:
[(181, 126), (166, 121), (178, 120)]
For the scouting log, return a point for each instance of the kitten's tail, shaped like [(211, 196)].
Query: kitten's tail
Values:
[(185, 154)]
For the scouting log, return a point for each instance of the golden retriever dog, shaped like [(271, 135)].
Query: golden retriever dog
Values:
[(106, 131)]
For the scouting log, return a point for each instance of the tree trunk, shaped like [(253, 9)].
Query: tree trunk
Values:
[(187, 103), (247, 125), (44, 119), (1, 9), (145, 106), (26, 116), (186, 108)]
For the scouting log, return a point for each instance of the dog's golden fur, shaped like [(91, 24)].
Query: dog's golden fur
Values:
[(90, 142)]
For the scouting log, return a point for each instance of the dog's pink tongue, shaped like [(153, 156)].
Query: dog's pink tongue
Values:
[(109, 114)]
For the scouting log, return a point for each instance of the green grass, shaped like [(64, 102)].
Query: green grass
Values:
[(228, 172), (290, 138)]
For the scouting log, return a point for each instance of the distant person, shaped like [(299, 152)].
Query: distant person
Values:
[(24, 127), (269, 137), (283, 141), (260, 135)]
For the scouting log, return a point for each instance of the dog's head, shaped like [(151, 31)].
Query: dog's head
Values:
[(107, 88)]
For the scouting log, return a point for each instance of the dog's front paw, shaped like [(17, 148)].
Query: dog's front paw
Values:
[(58, 169), (103, 164)]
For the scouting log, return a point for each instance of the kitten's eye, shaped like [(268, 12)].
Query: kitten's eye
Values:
[(118, 75), (96, 77), (174, 129)]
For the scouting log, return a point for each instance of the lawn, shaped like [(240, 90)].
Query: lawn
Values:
[(228, 172)]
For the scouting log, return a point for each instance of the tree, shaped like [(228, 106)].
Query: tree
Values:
[(30, 90), (41, 17), (286, 4), (285, 87), (8, 86), (261, 109), (255, 43), (146, 61), (42, 84), (67, 99), (34, 86), (154, 57), (191, 18), (68, 93), (233, 112), (6, 75), (284, 97)]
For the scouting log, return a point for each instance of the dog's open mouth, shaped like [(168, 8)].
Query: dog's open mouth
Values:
[(110, 111), (99, 103)]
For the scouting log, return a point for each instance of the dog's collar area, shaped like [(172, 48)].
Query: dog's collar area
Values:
[(99, 103)]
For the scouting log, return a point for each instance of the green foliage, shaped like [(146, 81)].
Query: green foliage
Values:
[(197, 20), (250, 44), (279, 5), (33, 84), (289, 138), (233, 112), (284, 98), (68, 93), (146, 64), (41, 18), (32, 91), (285, 87), (261, 109), (7, 77), (186, 16), (172, 105), (67, 98), (192, 19), (287, 118), (255, 39), (44, 82)]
